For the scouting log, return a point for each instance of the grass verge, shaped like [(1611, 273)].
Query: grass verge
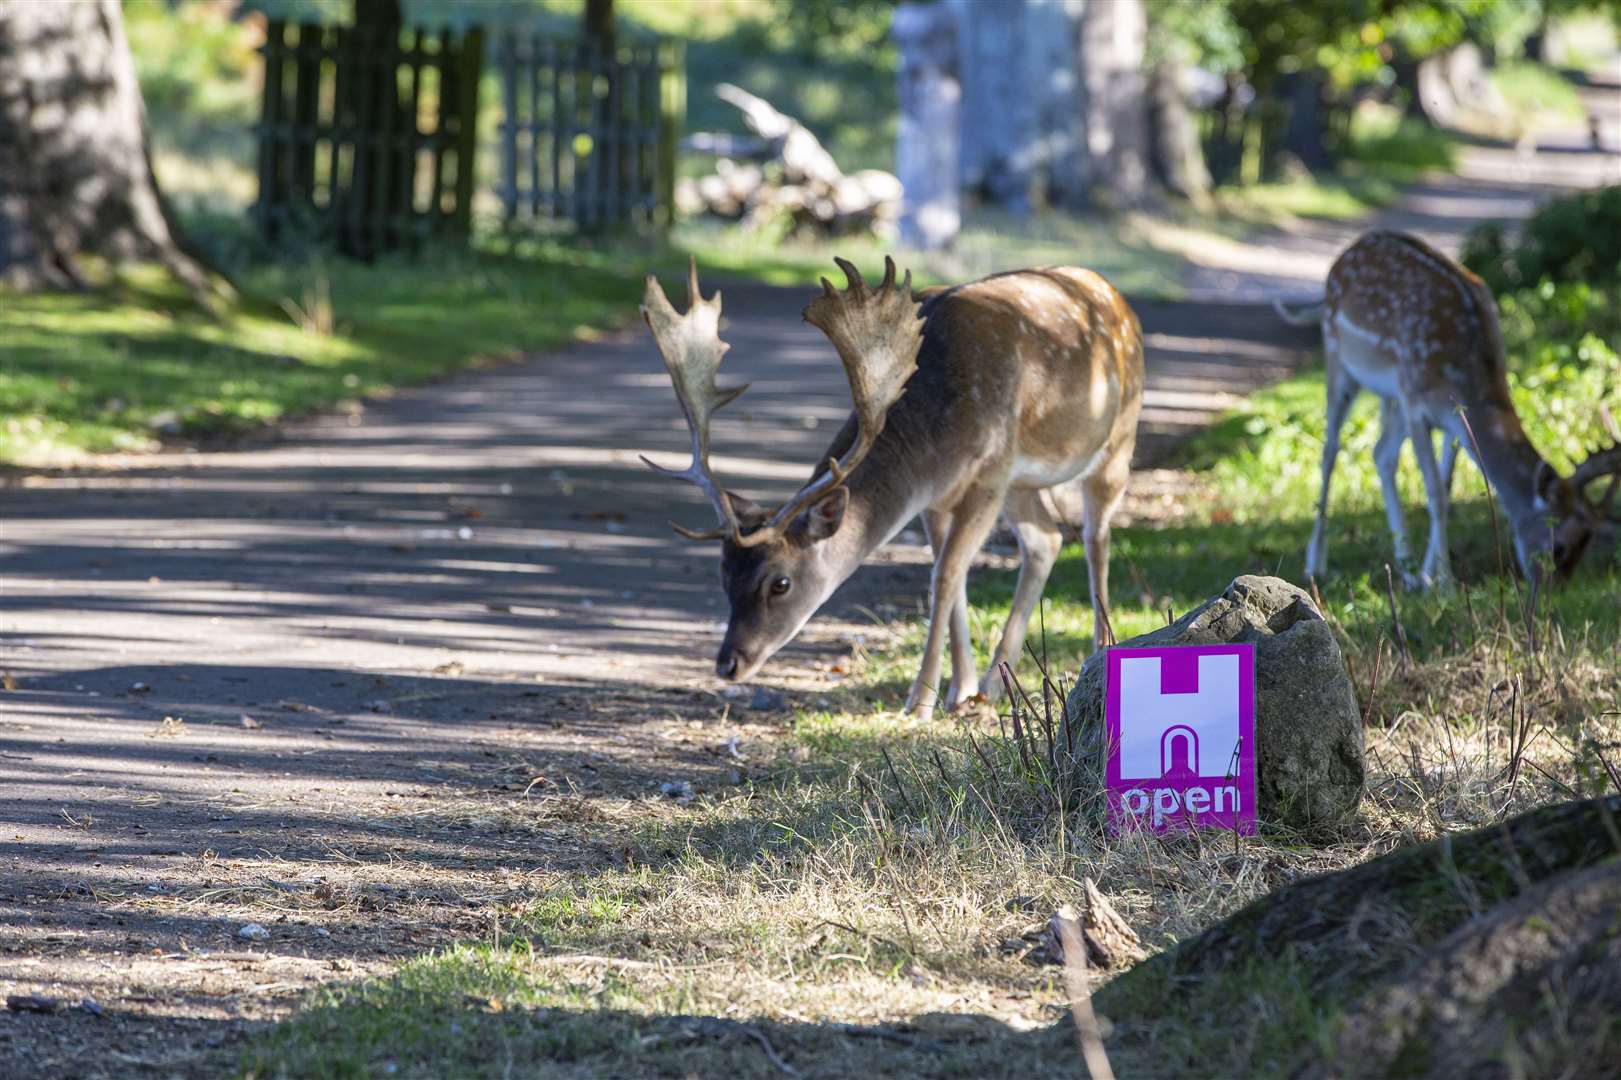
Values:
[(122, 366)]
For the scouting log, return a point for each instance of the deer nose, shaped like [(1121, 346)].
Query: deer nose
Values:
[(727, 663)]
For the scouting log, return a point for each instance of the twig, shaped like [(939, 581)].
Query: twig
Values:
[(1395, 619), (1012, 686), (717, 1027), (990, 770), (905, 799), (1373, 682), (1615, 777), (1087, 1034), (893, 1036)]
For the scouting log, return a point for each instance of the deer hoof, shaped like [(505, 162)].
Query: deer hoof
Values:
[(920, 704)]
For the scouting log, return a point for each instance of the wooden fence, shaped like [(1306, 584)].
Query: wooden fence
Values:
[(368, 134), (588, 137)]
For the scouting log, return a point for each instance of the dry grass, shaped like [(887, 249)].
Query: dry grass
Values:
[(894, 876)]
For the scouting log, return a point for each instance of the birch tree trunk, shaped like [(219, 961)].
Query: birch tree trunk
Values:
[(926, 149), (1114, 35), (997, 113), (75, 173)]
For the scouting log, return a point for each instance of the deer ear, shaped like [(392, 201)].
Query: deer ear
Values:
[(749, 513), (826, 514), (1545, 485)]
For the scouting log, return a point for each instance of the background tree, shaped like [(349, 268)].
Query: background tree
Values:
[(75, 173)]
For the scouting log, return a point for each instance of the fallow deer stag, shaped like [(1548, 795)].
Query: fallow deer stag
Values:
[(1013, 385), (1404, 321)]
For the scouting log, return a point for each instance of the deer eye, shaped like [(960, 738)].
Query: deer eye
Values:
[(780, 586)]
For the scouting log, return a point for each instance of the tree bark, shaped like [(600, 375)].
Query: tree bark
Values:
[(998, 115), (1177, 154), (929, 134), (75, 173), (1113, 35), (1303, 131)]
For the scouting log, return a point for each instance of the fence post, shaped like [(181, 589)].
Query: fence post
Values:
[(509, 125), (672, 113), (269, 122), (471, 66)]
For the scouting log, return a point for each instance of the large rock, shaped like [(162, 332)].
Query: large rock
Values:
[(1308, 744)]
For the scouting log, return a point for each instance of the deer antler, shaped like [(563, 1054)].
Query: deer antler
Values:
[(692, 349), (877, 335), (1599, 464)]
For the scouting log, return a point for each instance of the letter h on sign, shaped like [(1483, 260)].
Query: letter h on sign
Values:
[(1180, 722)]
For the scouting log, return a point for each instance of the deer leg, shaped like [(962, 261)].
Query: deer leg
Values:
[(1449, 461), (1386, 458), (971, 522), (1437, 569), (936, 526), (1102, 491), (1039, 541), (1341, 392)]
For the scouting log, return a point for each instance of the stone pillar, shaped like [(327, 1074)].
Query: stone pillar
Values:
[(926, 151)]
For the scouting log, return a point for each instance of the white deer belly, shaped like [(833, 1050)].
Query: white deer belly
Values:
[(1367, 357), (1035, 472)]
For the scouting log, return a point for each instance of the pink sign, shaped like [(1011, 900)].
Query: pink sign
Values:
[(1180, 721)]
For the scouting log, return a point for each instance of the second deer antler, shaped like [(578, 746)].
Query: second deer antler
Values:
[(692, 349)]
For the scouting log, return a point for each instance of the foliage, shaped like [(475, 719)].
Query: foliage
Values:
[(192, 66), (1573, 238), (1349, 42)]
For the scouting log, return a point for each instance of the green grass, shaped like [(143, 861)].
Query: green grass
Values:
[(118, 367), (122, 366)]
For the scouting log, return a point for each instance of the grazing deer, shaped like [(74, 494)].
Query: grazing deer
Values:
[(1408, 323), (1012, 385)]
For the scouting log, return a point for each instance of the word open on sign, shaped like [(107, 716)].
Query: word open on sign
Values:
[(1180, 721)]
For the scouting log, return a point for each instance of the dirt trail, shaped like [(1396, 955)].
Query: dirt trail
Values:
[(366, 683)]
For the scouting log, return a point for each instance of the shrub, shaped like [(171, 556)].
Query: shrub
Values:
[(1575, 238)]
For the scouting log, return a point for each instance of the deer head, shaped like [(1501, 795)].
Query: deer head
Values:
[(779, 565), (1570, 518)]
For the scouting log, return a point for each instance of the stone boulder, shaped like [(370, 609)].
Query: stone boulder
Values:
[(1309, 761)]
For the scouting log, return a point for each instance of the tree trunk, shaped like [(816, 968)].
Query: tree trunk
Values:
[(1303, 131), (1177, 154), (929, 133), (1113, 36), (997, 115), (376, 193), (75, 174)]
